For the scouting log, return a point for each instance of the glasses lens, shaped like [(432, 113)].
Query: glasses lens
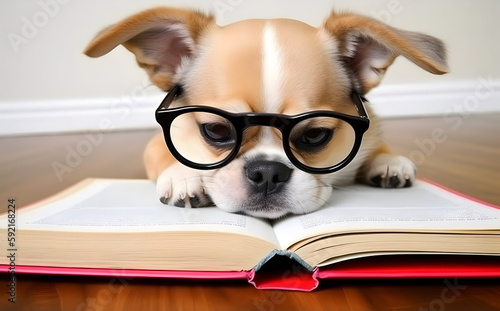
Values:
[(203, 137), (322, 142)]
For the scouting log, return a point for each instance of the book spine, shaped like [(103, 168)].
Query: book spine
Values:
[(283, 270)]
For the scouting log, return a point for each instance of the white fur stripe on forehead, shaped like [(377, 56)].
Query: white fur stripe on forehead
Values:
[(272, 70)]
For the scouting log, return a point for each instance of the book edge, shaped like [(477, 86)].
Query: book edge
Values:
[(66, 192), (458, 193), (414, 266)]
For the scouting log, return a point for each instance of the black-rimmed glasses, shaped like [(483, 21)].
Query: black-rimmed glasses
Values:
[(317, 142)]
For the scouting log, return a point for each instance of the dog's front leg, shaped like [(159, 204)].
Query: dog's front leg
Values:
[(387, 170), (182, 186), (176, 184)]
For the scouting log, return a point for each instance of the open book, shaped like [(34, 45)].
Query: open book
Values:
[(101, 225)]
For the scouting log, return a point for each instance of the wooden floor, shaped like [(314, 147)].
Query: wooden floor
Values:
[(462, 153)]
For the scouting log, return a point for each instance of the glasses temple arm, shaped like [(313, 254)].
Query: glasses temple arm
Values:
[(175, 91), (359, 104)]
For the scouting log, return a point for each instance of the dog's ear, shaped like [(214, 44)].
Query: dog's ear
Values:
[(368, 47), (160, 38)]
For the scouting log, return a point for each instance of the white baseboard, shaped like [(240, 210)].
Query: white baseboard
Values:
[(465, 97), (77, 115), (391, 101)]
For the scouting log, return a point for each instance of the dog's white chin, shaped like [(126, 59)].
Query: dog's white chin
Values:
[(263, 211), (269, 214), (303, 193), (295, 204)]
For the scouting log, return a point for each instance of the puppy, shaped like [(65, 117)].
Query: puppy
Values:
[(280, 67)]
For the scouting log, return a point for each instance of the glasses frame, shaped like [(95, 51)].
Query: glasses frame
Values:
[(241, 121)]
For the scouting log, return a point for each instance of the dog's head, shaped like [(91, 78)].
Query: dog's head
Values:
[(277, 66)]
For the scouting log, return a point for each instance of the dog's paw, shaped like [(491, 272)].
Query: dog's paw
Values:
[(391, 171), (182, 186)]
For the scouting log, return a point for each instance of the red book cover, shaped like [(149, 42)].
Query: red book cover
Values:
[(293, 276)]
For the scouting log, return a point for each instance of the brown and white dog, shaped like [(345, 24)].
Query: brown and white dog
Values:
[(277, 66)]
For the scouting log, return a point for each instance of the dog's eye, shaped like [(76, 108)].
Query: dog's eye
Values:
[(315, 136), (218, 134), (314, 139)]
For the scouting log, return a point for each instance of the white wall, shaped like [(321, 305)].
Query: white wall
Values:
[(43, 70)]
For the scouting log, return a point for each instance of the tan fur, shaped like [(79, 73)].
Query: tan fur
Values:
[(318, 85), (119, 33), (125, 31), (213, 84), (398, 41), (157, 157), (223, 67)]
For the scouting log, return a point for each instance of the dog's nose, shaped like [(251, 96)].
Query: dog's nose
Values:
[(267, 176)]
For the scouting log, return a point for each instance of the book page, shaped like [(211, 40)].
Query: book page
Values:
[(360, 208), (108, 205)]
